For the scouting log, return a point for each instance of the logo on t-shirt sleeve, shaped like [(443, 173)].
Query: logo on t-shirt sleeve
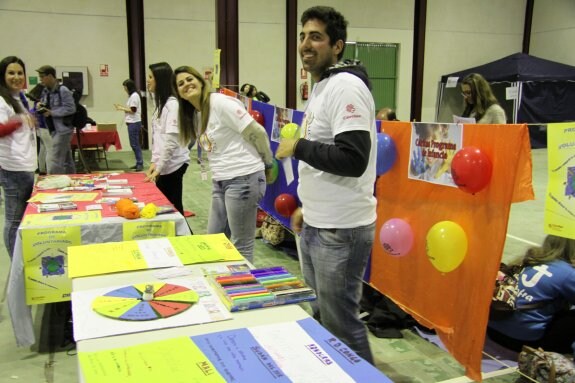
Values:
[(350, 110), (240, 113)]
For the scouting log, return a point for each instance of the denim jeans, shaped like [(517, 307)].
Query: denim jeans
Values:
[(234, 209), (62, 161), (134, 129), (334, 262), (17, 190)]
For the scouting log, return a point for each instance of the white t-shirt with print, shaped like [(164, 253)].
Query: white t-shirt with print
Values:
[(18, 149), (229, 154), (134, 102), (166, 124), (338, 104)]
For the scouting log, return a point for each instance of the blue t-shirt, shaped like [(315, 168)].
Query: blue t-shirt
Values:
[(552, 282)]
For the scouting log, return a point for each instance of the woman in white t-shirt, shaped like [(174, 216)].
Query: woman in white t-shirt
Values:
[(170, 159), (238, 151), (133, 112), (18, 160)]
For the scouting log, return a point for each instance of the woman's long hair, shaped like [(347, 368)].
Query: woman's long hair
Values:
[(163, 75), (481, 94), (5, 92), (187, 113), (553, 248)]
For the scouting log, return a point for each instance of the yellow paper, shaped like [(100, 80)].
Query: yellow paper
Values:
[(217, 69), (148, 230), (104, 258), (205, 248), (62, 197), (46, 263), (61, 219), (560, 200), (176, 360)]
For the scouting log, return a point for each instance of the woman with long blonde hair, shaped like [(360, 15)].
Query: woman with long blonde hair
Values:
[(238, 151), (479, 101)]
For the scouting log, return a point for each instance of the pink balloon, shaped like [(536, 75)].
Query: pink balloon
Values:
[(396, 237)]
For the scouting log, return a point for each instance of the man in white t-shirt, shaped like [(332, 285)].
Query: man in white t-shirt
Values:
[(337, 153)]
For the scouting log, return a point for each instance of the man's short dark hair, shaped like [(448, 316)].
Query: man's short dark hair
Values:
[(335, 24), (46, 70)]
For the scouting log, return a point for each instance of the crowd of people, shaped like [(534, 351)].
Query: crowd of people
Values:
[(336, 152)]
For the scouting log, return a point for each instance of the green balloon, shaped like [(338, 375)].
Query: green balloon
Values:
[(274, 172)]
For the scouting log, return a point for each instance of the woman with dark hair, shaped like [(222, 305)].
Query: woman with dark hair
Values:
[(238, 151), (480, 103), (547, 282), (170, 159), (132, 111), (18, 159)]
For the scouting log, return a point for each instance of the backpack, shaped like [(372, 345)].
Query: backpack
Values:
[(80, 118), (503, 302), (545, 367)]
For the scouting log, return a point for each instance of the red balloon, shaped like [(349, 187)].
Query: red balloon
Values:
[(471, 169), (258, 117), (285, 204), (260, 217)]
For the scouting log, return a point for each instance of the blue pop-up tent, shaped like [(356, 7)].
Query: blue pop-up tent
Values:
[(545, 89)]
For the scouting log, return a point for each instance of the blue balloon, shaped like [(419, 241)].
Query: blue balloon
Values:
[(386, 153)]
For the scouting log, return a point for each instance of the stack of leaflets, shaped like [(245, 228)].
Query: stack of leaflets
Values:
[(260, 288), (44, 207)]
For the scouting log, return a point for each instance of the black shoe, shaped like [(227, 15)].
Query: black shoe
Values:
[(139, 168), (134, 167)]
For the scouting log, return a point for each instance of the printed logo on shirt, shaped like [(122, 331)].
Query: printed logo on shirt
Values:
[(241, 113), (350, 108)]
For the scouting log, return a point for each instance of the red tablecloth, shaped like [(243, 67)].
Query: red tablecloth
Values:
[(95, 138), (143, 191)]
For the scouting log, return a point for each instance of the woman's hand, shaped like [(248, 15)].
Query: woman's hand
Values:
[(296, 220)]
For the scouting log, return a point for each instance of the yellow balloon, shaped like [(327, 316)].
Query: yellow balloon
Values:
[(289, 130), (446, 245)]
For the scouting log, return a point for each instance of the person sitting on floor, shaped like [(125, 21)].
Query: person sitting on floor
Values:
[(548, 277)]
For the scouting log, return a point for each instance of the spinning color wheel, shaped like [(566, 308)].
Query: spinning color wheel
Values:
[(129, 303)]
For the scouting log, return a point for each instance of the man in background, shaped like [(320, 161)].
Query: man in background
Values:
[(58, 107)]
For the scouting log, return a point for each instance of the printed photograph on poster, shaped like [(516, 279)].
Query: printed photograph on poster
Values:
[(431, 150), (282, 116)]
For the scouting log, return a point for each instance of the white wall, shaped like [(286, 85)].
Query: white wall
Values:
[(461, 34), (553, 31), (179, 32), (384, 21), (72, 33), (262, 47)]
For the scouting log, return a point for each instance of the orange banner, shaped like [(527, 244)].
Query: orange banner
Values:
[(454, 303)]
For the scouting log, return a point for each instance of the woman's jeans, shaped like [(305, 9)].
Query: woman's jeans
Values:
[(17, 190), (134, 129), (334, 262), (234, 209)]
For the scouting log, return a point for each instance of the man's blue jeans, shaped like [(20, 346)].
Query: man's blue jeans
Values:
[(234, 210), (62, 161), (17, 190), (134, 129), (334, 262)]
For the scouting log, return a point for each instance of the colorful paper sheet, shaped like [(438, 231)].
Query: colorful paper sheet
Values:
[(136, 230), (176, 360), (113, 257), (301, 351), (61, 219), (205, 248), (560, 200), (45, 263), (62, 197), (89, 324)]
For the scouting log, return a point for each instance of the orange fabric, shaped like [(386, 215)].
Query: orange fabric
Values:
[(456, 304)]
